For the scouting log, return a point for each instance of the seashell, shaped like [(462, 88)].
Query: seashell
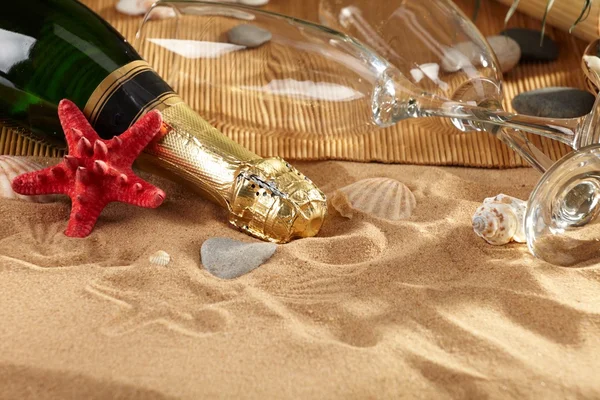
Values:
[(455, 57), (10, 168), (500, 220), (141, 7), (593, 63), (161, 258), (384, 198), (467, 54), (592, 73)]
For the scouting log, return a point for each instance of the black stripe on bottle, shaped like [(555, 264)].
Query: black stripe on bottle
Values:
[(124, 104)]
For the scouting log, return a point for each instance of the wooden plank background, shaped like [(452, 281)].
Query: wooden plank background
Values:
[(406, 142)]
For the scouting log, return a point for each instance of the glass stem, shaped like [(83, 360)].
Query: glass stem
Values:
[(508, 127), (519, 143)]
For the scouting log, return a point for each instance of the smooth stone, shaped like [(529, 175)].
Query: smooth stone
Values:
[(253, 2), (507, 51), (248, 35), (529, 42), (554, 102), (228, 259)]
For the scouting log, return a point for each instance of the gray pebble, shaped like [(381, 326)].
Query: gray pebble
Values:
[(529, 42), (554, 102), (228, 259), (248, 35)]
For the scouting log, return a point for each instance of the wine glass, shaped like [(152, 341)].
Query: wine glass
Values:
[(309, 82), (305, 80), (413, 32), (561, 218), (561, 221), (590, 63)]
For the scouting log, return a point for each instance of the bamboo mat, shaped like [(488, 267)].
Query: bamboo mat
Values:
[(407, 142)]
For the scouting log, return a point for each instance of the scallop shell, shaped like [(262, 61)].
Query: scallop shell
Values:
[(161, 258), (10, 168), (500, 220), (384, 198)]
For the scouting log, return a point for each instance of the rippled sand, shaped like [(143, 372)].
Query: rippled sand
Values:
[(369, 309)]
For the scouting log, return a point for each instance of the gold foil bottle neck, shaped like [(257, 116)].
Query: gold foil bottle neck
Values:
[(266, 198)]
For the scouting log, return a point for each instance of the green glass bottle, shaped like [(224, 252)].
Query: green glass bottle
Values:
[(55, 49)]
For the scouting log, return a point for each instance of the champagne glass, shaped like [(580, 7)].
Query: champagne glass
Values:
[(590, 63), (561, 221), (309, 82), (412, 32), (562, 216), (305, 80)]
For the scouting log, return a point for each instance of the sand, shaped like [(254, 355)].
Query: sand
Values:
[(421, 308)]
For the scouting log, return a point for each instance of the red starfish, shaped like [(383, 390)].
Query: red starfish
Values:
[(96, 172)]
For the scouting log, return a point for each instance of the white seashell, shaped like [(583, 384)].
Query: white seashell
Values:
[(466, 54), (593, 63), (161, 258), (500, 220), (459, 56), (10, 168), (384, 198), (141, 7)]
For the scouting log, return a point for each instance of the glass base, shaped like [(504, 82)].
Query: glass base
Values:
[(561, 223)]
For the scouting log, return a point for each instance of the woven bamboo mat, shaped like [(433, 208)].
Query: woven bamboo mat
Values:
[(406, 142)]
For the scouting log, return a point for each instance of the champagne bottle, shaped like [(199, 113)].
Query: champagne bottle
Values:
[(55, 49)]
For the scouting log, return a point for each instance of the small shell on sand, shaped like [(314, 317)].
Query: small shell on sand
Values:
[(500, 220), (384, 198), (161, 258), (10, 168)]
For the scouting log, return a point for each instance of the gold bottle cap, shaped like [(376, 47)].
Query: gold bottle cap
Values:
[(274, 201)]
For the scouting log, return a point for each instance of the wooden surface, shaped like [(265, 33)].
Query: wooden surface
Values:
[(418, 142), (563, 14)]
